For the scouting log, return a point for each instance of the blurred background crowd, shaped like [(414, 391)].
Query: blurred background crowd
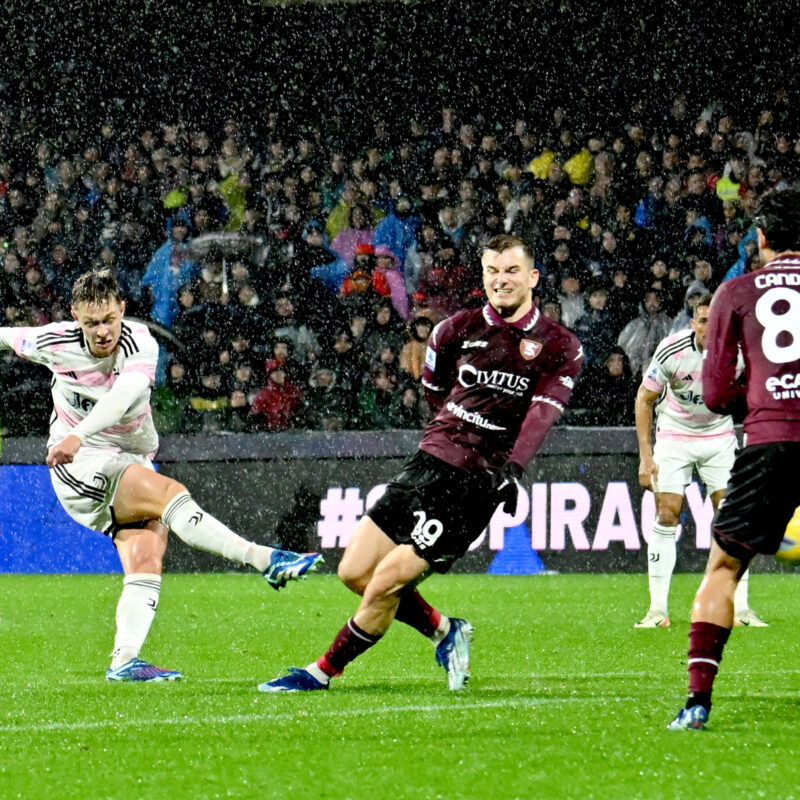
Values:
[(292, 264)]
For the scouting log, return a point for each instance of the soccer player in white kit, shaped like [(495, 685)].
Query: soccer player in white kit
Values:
[(688, 436), (100, 448)]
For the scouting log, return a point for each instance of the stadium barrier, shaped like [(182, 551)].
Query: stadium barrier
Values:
[(582, 509)]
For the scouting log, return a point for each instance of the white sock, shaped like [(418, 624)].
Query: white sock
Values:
[(740, 596), (135, 612), (199, 529), (661, 555), (318, 673), (441, 631)]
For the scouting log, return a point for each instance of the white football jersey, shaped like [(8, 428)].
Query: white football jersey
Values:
[(81, 379), (676, 370)]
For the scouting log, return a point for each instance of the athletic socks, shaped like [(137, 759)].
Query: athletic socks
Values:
[(660, 565), (135, 612), (706, 642), (199, 529), (350, 642), (740, 603), (414, 611)]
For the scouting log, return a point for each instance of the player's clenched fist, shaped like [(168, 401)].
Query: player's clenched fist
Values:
[(64, 451)]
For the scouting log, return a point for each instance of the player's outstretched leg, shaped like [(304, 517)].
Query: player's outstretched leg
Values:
[(200, 529), (351, 642), (452, 653)]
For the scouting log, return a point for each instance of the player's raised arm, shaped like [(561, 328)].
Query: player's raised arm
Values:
[(24, 341)]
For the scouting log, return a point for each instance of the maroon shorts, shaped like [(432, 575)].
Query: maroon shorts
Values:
[(435, 507)]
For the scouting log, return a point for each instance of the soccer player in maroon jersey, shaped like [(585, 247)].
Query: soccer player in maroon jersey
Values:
[(758, 312), (497, 378)]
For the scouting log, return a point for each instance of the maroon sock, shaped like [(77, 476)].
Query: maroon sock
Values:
[(706, 642), (416, 612), (349, 643)]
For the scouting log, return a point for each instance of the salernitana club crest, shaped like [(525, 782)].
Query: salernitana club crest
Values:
[(530, 348)]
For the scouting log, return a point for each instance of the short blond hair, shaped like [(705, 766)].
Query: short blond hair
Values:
[(95, 288)]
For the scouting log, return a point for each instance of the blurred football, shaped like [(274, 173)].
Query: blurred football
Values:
[(789, 551)]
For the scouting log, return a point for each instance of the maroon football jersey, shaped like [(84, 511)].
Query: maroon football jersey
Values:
[(759, 312), (497, 387)]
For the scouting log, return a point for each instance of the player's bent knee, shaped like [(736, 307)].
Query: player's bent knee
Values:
[(355, 582)]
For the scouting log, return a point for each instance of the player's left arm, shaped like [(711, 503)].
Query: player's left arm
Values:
[(722, 393), (550, 398), (109, 410)]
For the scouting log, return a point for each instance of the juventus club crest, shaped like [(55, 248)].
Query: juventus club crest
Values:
[(530, 348)]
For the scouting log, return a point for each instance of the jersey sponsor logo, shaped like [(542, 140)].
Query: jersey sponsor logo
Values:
[(688, 397), (473, 417), (785, 387), (530, 348), (430, 358), (476, 343), (777, 279), (567, 381), (81, 403), (507, 382)]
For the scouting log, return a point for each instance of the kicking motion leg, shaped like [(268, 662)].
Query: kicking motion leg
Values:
[(143, 494)]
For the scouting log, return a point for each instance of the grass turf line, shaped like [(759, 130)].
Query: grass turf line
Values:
[(566, 698)]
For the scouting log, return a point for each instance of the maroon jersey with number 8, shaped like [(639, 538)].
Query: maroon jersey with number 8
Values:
[(497, 387), (760, 312)]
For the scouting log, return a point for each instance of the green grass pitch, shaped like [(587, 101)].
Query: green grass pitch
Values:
[(566, 699)]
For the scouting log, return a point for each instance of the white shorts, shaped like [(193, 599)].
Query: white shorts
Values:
[(676, 458), (86, 487)]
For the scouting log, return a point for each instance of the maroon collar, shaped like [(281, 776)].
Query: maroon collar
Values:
[(783, 262), (524, 323)]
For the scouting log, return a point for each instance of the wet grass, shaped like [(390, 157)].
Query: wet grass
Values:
[(567, 700)]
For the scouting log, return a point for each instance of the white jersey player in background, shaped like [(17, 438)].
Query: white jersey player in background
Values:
[(100, 447), (688, 437)]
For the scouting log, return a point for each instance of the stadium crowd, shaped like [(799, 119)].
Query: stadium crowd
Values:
[(293, 279)]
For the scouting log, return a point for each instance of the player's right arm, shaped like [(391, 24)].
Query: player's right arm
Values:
[(646, 400), (23, 342), (439, 371)]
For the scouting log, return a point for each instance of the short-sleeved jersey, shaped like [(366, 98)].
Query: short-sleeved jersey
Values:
[(81, 379), (676, 371), (498, 386), (758, 312)]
